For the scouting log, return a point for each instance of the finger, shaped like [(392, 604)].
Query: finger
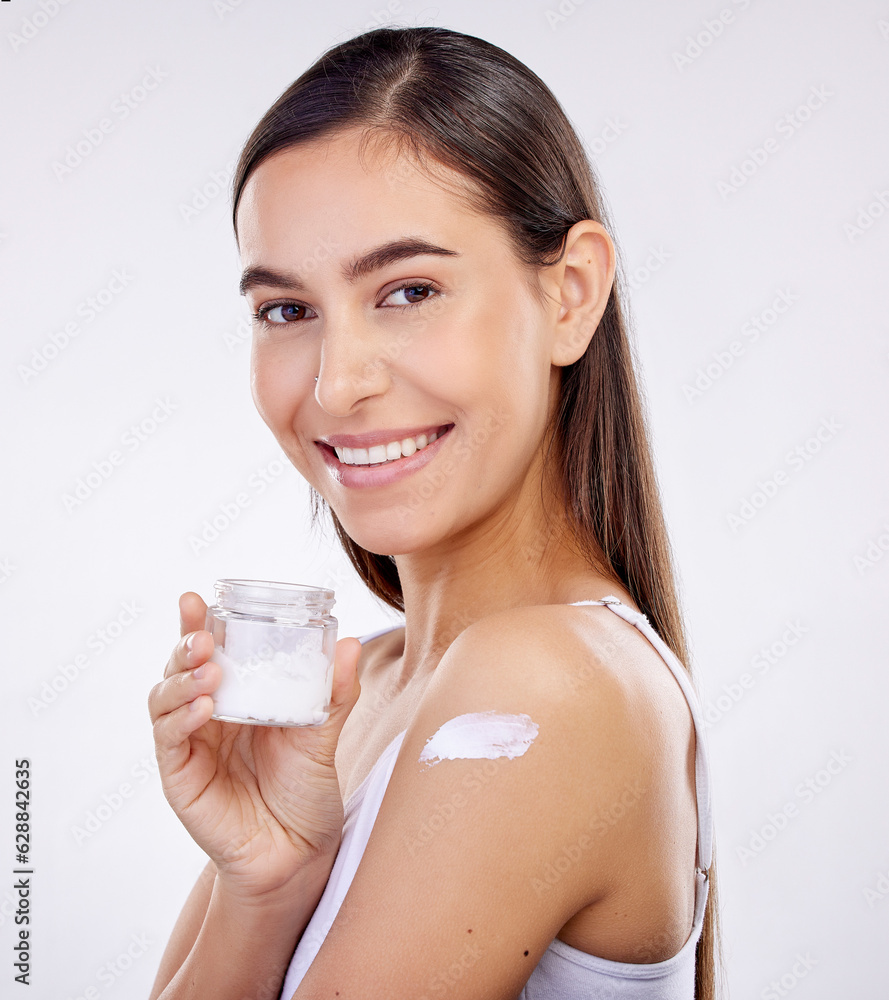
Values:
[(173, 747), (191, 651), (182, 688), (192, 612)]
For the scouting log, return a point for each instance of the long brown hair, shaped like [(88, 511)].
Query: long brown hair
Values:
[(473, 107)]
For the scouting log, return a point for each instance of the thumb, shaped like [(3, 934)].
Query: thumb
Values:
[(346, 686), (192, 612)]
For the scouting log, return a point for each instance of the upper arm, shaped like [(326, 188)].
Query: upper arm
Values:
[(455, 881)]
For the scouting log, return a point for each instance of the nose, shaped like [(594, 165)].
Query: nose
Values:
[(354, 363)]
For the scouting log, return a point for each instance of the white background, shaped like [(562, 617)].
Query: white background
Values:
[(668, 127)]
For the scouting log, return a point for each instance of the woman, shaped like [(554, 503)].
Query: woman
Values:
[(439, 349)]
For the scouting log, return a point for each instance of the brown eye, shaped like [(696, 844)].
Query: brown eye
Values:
[(280, 314), (412, 294)]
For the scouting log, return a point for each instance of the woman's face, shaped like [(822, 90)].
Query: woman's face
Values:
[(416, 318)]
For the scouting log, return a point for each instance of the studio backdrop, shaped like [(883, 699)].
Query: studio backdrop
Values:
[(744, 155)]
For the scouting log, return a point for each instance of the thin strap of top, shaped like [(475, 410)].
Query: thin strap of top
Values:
[(702, 768), (373, 635)]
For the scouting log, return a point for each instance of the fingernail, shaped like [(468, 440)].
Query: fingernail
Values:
[(193, 705), (199, 673), (189, 642)]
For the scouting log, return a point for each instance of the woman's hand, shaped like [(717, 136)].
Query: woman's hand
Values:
[(263, 802)]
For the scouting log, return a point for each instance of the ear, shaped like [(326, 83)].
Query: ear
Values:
[(579, 286)]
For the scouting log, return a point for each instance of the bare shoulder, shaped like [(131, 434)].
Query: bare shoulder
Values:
[(580, 659), (607, 705)]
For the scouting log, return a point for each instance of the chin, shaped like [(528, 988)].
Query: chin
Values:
[(383, 542)]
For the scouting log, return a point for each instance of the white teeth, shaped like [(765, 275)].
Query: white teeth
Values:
[(380, 453)]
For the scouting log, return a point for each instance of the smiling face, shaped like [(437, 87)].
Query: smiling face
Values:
[(413, 312)]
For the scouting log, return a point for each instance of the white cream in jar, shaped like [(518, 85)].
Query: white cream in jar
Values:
[(275, 643)]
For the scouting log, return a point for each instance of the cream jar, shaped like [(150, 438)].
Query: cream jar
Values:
[(275, 643)]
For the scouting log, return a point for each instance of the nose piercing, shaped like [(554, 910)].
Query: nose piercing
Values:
[(316, 378)]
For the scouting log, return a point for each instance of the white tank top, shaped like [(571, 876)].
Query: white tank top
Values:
[(563, 973)]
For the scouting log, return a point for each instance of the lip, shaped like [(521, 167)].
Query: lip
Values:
[(372, 438), (363, 476)]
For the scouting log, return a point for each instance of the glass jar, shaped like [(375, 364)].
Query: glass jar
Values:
[(275, 643)]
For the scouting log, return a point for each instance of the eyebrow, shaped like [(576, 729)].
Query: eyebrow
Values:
[(372, 260)]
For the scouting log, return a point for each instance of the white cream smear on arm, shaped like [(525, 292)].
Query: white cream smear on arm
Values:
[(479, 736)]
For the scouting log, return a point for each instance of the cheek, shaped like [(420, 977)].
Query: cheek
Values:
[(269, 388), (259, 387), (507, 363)]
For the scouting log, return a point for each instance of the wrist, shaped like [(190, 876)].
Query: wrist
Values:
[(301, 889)]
